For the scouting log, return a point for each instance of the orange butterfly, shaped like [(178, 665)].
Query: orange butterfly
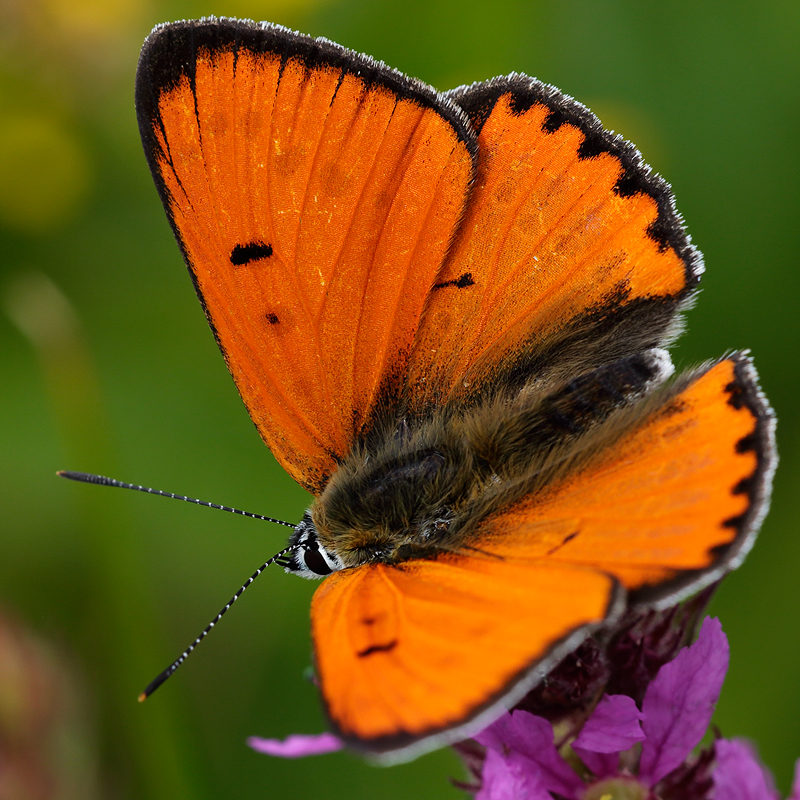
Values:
[(445, 314)]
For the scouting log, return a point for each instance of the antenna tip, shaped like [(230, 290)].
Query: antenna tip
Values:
[(73, 476), (142, 697)]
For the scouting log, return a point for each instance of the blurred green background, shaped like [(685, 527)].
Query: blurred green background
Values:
[(108, 366)]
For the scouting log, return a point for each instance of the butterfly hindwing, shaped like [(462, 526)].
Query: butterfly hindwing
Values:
[(666, 497), (314, 193), (663, 498), (570, 255), (419, 650)]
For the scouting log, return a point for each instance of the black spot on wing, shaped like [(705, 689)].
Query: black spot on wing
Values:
[(254, 251), (732, 522), (747, 443), (553, 121), (377, 648), (462, 282), (744, 394), (736, 394), (272, 318), (559, 546)]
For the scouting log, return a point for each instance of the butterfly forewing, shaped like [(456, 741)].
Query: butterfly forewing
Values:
[(570, 256), (314, 194)]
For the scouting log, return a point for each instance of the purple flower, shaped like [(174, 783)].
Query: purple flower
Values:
[(523, 761), (679, 703), (739, 775), (297, 745), (625, 748)]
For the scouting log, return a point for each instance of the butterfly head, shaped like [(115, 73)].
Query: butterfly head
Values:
[(309, 558)]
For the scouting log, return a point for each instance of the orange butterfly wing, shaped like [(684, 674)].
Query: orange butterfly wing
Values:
[(314, 193), (672, 505), (409, 651), (570, 255), (412, 655)]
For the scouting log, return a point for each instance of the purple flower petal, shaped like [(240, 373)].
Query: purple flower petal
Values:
[(498, 781), (510, 778), (613, 727), (297, 745), (739, 775), (795, 795), (679, 703), (603, 765), (532, 737), (495, 736)]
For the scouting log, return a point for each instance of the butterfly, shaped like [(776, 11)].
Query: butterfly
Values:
[(446, 314)]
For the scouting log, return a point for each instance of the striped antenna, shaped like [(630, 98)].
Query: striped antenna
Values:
[(100, 480), (170, 670), (278, 558)]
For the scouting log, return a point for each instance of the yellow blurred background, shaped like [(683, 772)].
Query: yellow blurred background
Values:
[(108, 366)]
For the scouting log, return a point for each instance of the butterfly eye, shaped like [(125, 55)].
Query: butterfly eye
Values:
[(309, 558), (315, 561)]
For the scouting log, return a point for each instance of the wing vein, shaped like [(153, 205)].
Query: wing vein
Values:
[(303, 204), (360, 318), (399, 297), (524, 197), (364, 185)]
